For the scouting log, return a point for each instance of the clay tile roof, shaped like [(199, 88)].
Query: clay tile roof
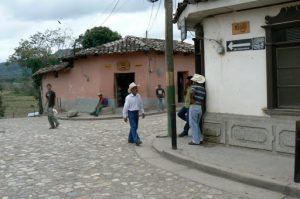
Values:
[(134, 44), (53, 68)]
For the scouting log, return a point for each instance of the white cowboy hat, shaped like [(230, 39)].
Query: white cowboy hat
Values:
[(198, 78), (98, 94), (131, 86)]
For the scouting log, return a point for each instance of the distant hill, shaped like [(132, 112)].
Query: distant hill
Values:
[(13, 71)]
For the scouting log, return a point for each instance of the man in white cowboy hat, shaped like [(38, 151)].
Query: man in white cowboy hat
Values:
[(133, 105), (197, 95)]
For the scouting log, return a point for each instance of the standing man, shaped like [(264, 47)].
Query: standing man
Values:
[(133, 104), (198, 94), (50, 100), (160, 94), (183, 113)]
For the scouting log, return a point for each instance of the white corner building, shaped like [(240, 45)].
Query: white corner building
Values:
[(249, 52)]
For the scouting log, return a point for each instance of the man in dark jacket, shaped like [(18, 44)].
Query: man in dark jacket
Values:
[(160, 94), (50, 101)]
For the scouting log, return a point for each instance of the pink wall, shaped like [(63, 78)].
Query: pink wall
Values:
[(97, 74), (181, 63)]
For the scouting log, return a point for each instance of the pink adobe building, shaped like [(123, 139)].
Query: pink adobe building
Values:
[(111, 67)]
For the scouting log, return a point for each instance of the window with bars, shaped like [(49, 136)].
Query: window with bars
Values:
[(286, 67), (283, 61), (288, 77)]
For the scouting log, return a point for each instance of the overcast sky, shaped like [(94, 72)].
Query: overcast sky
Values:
[(21, 18)]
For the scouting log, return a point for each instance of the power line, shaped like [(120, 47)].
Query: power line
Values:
[(114, 8), (155, 17), (150, 16)]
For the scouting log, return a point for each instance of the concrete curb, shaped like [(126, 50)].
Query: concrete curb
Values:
[(108, 117), (246, 178)]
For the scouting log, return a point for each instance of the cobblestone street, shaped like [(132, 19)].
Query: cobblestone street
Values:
[(86, 159)]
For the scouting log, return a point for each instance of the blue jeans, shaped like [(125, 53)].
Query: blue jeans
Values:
[(183, 114), (133, 117), (161, 105), (195, 116)]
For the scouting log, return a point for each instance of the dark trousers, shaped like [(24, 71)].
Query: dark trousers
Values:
[(133, 117), (183, 114)]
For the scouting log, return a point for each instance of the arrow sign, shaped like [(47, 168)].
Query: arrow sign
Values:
[(239, 45)]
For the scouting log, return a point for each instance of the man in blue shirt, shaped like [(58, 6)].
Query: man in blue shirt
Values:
[(198, 94)]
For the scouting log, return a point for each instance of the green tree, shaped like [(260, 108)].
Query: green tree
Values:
[(97, 36), (38, 52)]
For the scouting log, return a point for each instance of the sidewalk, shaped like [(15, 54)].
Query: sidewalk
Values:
[(259, 168), (106, 116)]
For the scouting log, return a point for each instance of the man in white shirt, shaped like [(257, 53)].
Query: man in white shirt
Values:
[(133, 104)]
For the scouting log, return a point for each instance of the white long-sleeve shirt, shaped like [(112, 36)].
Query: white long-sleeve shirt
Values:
[(132, 103)]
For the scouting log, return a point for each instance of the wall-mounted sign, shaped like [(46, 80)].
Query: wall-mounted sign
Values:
[(123, 65), (259, 43), (241, 27), (108, 66), (256, 43), (239, 45)]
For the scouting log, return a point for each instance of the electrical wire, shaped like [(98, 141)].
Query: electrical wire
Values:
[(114, 8), (150, 17), (155, 17), (102, 12), (191, 34)]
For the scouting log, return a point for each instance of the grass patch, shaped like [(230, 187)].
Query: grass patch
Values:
[(17, 104)]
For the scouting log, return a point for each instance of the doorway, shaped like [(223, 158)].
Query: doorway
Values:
[(181, 76), (122, 81)]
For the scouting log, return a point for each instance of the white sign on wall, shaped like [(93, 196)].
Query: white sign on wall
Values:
[(256, 43)]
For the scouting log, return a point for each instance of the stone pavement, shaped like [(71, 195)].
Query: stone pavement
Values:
[(87, 159)]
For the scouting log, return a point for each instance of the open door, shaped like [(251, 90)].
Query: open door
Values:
[(122, 81), (181, 76)]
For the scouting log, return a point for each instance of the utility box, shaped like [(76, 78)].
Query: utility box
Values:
[(297, 153)]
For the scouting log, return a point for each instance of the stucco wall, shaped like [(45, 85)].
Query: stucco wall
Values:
[(77, 87), (236, 81)]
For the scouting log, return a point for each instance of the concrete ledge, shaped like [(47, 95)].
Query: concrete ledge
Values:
[(87, 117), (290, 189)]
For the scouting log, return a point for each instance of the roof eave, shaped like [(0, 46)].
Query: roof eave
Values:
[(195, 13)]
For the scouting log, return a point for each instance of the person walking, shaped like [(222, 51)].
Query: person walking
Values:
[(160, 94), (183, 113), (133, 105), (50, 101), (198, 94)]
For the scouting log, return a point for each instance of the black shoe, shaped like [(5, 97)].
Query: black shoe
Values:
[(138, 143), (52, 127), (183, 134), (57, 125)]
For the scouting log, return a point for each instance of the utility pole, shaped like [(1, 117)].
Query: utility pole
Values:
[(170, 72)]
